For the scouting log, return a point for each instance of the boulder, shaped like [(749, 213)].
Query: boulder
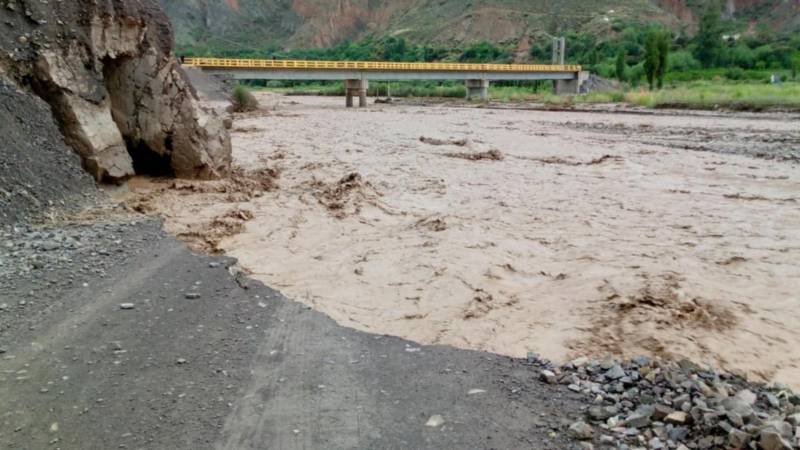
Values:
[(115, 88)]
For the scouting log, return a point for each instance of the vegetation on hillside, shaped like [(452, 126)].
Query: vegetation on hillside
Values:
[(712, 68), (263, 26), (713, 51)]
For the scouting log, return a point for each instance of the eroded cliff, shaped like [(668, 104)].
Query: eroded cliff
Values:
[(116, 90)]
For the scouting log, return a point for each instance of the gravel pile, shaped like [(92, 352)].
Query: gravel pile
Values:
[(38, 172), (598, 84), (33, 259), (650, 404)]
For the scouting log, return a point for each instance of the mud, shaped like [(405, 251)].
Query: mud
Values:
[(435, 141), (229, 197), (345, 197), (596, 232), (491, 155)]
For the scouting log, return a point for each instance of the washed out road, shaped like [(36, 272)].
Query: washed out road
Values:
[(115, 335)]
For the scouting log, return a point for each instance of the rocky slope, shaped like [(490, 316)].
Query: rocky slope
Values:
[(33, 146), (237, 24), (107, 71)]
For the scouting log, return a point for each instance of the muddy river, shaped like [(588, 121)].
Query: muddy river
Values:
[(511, 231)]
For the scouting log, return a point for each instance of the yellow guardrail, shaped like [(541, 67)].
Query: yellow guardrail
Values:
[(227, 63)]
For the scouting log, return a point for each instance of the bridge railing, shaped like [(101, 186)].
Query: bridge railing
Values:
[(267, 64)]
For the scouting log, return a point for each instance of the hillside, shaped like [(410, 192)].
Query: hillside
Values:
[(246, 24)]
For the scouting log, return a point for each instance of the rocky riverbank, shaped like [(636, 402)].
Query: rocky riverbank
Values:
[(658, 405)]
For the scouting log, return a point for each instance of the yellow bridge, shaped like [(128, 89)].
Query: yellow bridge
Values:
[(356, 74), (227, 63)]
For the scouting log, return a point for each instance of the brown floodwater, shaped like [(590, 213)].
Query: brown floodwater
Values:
[(562, 233)]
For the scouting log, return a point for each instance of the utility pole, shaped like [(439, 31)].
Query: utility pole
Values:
[(559, 49)]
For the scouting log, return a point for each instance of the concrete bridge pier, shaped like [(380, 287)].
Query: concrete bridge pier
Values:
[(478, 89), (356, 87), (573, 86)]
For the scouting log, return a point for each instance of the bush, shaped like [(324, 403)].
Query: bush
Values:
[(483, 52), (741, 56), (634, 74), (735, 74), (682, 61), (243, 100)]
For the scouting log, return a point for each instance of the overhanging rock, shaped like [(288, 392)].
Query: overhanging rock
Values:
[(116, 89)]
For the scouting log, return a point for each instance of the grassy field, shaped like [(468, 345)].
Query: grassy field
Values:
[(694, 95), (698, 95), (709, 95)]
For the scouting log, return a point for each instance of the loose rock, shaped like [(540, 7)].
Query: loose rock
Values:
[(581, 430), (435, 421)]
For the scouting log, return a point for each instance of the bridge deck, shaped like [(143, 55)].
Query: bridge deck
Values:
[(357, 74), (269, 64), (267, 69)]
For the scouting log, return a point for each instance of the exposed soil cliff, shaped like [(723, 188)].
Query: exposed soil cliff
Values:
[(115, 88)]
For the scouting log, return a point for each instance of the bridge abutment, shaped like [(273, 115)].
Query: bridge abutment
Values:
[(477, 89), (573, 86), (353, 88)]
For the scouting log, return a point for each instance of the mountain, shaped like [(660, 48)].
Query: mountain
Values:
[(245, 24)]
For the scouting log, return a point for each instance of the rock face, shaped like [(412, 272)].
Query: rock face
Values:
[(116, 90)]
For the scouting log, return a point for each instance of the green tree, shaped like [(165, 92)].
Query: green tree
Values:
[(634, 74), (483, 51), (682, 61), (620, 65), (741, 56), (663, 57), (708, 41), (651, 59), (394, 49), (795, 65)]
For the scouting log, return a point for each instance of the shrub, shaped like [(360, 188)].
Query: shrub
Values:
[(243, 100), (606, 69), (741, 56), (682, 61), (735, 74)]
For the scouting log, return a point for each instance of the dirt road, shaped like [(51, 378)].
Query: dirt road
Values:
[(565, 233), (114, 335)]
